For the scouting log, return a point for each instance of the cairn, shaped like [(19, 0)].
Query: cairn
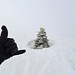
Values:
[(41, 41)]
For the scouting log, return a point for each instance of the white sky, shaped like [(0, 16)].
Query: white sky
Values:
[(25, 16)]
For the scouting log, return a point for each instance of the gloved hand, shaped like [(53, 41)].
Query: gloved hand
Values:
[(8, 47)]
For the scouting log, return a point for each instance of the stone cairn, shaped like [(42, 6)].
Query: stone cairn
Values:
[(41, 41)]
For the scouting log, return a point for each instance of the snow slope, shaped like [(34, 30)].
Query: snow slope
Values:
[(59, 59)]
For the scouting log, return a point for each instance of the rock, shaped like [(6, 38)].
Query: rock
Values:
[(41, 41)]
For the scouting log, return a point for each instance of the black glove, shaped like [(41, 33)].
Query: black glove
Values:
[(8, 47)]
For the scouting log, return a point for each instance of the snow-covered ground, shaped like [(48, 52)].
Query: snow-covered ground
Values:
[(23, 19), (59, 59)]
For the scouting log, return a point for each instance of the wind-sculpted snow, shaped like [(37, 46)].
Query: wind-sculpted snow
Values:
[(59, 59)]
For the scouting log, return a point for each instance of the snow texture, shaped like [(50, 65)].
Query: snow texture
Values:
[(59, 59)]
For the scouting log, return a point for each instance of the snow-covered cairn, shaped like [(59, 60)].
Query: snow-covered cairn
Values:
[(41, 41)]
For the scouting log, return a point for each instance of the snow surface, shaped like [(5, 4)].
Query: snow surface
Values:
[(23, 19), (59, 59)]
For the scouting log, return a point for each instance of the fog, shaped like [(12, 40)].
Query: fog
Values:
[(23, 17)]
